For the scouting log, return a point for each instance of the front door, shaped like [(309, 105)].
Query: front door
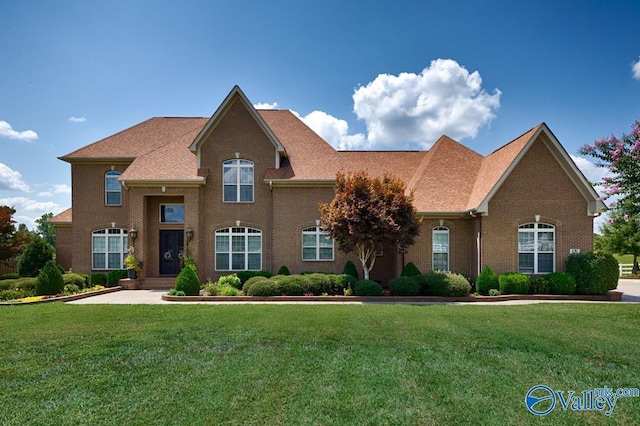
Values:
[(171, 251)]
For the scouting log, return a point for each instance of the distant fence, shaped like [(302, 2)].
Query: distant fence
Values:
[(8, 267), (625, 268)]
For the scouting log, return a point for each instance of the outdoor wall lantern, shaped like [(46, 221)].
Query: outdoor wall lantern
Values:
[(189, 233), (133, 233)]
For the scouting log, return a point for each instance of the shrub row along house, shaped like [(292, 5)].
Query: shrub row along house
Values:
[(240, 191)]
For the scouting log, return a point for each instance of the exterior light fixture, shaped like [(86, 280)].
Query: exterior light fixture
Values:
[(189, 233), (133, 233)]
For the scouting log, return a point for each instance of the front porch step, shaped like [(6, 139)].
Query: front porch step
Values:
[(156, 283)]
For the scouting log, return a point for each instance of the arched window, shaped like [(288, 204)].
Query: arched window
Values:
[(238, 249), (440, 248), (112, 189), (536, 248), (109, 248), (316, 244), (237, 178)]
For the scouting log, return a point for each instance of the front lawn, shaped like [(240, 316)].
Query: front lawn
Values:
[(311, 364)]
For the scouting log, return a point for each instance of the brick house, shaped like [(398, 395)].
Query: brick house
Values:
[(240, 190)]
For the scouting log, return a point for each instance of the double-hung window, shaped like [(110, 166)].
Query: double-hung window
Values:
[(316, 245), (238, 249), (237, 177), (113, 189), (440, 248), (536, 248), (109, 248)]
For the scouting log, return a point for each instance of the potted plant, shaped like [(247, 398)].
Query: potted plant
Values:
[(132, 264)]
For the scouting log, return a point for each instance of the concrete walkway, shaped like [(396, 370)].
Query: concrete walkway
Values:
[(630, 289)]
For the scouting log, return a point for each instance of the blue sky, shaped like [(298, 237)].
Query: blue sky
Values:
[(365, 75)]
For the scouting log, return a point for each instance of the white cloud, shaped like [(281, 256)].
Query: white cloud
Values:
[(30, 205), (56, 189), (635, 67), (7, 131), (265, 105), (592, 172), (77, 119), (11, 179), (334, 131), (416, 109)]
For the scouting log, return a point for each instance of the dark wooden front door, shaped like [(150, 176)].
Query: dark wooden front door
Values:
[(171, 251)]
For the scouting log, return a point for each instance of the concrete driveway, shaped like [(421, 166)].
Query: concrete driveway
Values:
[(630, 289)]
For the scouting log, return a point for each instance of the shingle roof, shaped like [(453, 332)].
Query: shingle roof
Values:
[(448, 178), (62, 217)]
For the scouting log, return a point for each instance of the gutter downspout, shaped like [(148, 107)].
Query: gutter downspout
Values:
[(271, 225)]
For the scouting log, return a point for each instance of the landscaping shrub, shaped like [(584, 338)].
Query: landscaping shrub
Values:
[(9, 276), (70, 289), (410, 270), (75, 279), (513, 283), (174, 292), (49, 281), (539, 284), (250, 281), (222, 288), (350, 269), (25, 286), (404, 286), (594, 273), (10, 294), (486, 281), (283, 271), (433, 283), (246, 275), (291, 285), (34, 257), (98, 279), (188, 262), (494, 292), (318, 284), (188, 282), (561, 283), (457, 285), (367, 288), (341, 282), (114, 276), (264, 287), (232, 280)]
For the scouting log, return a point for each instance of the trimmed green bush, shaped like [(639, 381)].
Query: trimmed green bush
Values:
[(114, 276), (264, 287), (561, 283), (486, 281), (10, 294), (404, 286), (34, 257), (98, 279), (25, 286), (457, 285), (433, 283), (188, 282), (250, 281), (9, 276), (514, 283), (410, 270), (70, 289), (49, 281), (350, 269), (318, 284), (341, 282), (594, 273), (232, 279), (246, 275), (539, 284), (75, 279), (368, 288), (283, 271), (494, 292), (291, 285)]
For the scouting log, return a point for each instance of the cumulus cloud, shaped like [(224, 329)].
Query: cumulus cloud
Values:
[(416, 109), (11, 179), (56, 189), (77, 119), (265, 105), (7, 131), (334, 131), (635, 67), (30, 205)]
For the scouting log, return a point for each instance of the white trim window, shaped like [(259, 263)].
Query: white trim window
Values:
[(536, 248), (440, 238), (108, 248), (316, 244), (237, 178), (112, 189), (238, 249)]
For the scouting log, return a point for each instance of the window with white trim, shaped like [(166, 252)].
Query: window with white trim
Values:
[(440, 237), (237, 178), (112, 189), (238, 249), (536, 248), (316, 244), (109, 248)]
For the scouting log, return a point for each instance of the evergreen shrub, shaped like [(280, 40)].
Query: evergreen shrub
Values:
[(514, 283), (188, 282), (50, 281), (367, 288), (486, 281), (404, 286), (594, 273)]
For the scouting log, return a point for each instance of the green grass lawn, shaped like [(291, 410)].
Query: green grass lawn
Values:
[(311, 364)]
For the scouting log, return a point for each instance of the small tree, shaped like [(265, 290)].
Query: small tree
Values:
[(45, 229), (34, 257), (7, 233), (368, 213), (50, 281), (621, 235)]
